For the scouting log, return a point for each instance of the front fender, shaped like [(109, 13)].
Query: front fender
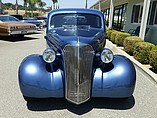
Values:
[(116, 80), (36, 81)]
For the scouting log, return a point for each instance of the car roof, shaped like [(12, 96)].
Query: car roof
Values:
[(75, 10)]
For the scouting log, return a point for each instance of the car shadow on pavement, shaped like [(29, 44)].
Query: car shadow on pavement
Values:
[(16, 39), (99, 103)]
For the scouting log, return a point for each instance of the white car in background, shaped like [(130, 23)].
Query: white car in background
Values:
[(42, 19)]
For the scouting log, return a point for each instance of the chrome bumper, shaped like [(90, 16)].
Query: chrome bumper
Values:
[(22, 31)]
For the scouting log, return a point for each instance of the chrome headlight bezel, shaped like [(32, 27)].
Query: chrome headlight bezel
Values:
[(49, 55), (106, 55)]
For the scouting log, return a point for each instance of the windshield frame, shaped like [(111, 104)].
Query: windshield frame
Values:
[(96, 21)]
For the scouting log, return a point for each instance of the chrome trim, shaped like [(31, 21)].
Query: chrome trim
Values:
[(78, 62), (22, 31)]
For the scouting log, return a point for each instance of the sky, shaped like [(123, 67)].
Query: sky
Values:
[(62, 3)]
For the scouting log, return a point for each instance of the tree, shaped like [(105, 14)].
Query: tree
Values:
[(0, 6), (25, 5), (16, 6), (41, 5), (32, 4), (86, 4), (54, 2)]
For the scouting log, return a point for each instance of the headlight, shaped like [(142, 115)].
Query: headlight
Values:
[(106, 55), (49, 55)]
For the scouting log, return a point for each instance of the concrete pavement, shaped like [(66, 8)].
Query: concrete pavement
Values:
[(12, 105)]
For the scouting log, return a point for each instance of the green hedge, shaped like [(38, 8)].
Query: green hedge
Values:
[(120, 36), (153, 58), (142, 51), (109, 31), (129, 43), (113, 36)]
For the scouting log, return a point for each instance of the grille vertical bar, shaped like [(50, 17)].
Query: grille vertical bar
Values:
[(78, 61)]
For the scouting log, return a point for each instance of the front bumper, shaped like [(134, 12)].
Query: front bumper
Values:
[(35, 81), (22, 31)]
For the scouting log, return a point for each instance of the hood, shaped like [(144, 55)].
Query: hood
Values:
[(62, 37), (18, 24)]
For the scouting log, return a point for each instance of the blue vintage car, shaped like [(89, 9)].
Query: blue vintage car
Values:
[(75, 65), (34, 21)]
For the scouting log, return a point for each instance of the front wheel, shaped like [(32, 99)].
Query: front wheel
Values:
[(20, 35), (29, 99)]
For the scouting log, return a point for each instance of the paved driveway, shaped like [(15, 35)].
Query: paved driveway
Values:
[(143, 104)]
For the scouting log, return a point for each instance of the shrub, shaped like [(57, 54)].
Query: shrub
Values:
[(113, 36), (153, 58), (109, 31), (120, 36), (129, 43), (142, 51)]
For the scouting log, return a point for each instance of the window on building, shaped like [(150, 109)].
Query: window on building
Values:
[(119, 17), (137, 13), (106, 15), (153, 13)]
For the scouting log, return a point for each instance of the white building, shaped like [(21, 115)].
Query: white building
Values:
[(124, 15)]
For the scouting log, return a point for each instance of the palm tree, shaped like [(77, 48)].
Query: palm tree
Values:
[(32, 4), (16, 6), (0, 6), (54, 2), (41, 5), (25, 5), (86, 4)]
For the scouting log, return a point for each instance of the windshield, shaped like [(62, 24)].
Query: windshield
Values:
[(8, 18), (76, 20)]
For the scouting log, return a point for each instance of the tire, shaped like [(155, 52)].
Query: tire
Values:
[(20, 35), (125, 99), (29, 99)]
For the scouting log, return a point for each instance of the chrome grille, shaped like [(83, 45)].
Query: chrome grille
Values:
[(78, 60)]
